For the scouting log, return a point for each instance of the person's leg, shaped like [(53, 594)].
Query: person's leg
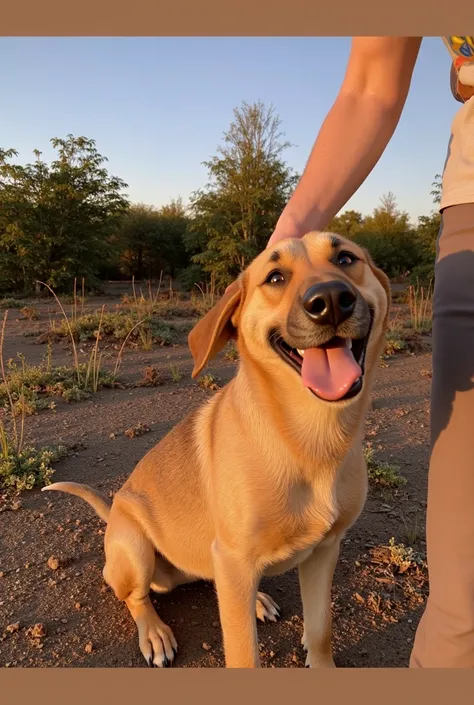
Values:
[(445, 636)]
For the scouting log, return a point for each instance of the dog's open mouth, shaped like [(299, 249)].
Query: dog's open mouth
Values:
[(333, 371)]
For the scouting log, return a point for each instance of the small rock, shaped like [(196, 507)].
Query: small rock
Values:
[(88, 648), (54, 563), (206, 646), (38, 631), (215, 625), (64, 621), (194, 607), (78, 605)]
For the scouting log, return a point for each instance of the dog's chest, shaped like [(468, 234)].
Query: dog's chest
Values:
[(285, 537)]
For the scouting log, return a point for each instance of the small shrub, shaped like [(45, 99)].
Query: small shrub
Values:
[(381, 474), (421, 308), (206, 300), (403, 557), (151, 378), (31, 387), (11, 303), (139, 430), (394, 342), (27, 468), (30, 312), (208, 382), (175, 373), (412, 529), (21, 467), (232, 354), (423, 274), (118, 325)]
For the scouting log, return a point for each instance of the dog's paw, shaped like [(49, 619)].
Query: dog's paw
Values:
[(267, 608), (321, 662), (158, 645)]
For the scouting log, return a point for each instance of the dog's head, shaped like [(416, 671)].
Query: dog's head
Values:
[(315, 309)]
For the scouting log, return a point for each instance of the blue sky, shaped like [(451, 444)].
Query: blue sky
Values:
[(157, 107)]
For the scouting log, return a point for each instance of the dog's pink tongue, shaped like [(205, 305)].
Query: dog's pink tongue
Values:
[(330, 371)]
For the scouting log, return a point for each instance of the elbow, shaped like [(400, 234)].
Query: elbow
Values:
[(369, 99)]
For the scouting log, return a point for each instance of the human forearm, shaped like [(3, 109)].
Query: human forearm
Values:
[(350, 143), (354, 134)]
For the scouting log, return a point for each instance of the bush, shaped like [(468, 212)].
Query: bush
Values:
[(27, 468), (32, 386), (423, 274)]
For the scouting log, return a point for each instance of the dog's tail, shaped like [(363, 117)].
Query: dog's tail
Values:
[(98, 501)]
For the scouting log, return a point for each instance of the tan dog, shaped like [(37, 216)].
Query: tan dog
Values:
[(270, 473)]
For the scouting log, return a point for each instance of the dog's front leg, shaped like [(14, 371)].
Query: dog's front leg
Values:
[(316, 576), (236, 583)]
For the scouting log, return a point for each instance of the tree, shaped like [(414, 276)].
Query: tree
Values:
[(390, 238), (249, 185), (347, 224), (436, 189), (151, 240), (56, 219)]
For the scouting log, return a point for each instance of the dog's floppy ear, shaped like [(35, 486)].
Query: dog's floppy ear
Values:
[(212, 333)]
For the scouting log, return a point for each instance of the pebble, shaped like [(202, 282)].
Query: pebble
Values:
[(88, 648), (53, 563), (206, 646), (37, 631)]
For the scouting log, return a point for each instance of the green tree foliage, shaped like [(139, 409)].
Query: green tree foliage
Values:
[(56, 219), (387, 234), (390, 238), (436, 187), (249, 185), (151, 240), (348, 224)]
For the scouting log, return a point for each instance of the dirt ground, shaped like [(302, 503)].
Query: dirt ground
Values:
[(80, 623)]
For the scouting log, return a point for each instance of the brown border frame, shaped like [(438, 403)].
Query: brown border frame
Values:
[(233, 18), (244, 18)]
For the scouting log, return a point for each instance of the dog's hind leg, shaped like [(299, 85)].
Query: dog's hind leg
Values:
[(129, 570), (166, 576)]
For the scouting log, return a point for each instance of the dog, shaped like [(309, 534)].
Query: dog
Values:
[(269, 474)]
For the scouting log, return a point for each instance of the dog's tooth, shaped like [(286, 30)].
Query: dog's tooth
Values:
[(349, 343)]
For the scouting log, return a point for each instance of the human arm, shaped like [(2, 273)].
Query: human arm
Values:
[(354, 134)]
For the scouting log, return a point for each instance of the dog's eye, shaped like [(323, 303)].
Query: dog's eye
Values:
[(345, 258), (275, 277)]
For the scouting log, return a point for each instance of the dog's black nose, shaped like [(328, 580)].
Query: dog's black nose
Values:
[(329, 303)]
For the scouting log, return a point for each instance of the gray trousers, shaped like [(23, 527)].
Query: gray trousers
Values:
[(445, 635)]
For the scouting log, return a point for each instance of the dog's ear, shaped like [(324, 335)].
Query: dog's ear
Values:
[(383, 279), (218, 326)]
